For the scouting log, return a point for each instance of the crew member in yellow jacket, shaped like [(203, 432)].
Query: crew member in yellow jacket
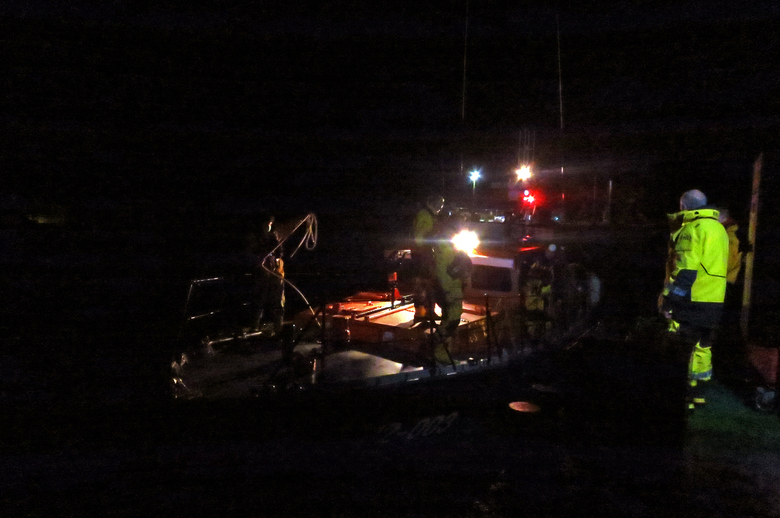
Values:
[(695, 288), (425, 228), (452, 270)]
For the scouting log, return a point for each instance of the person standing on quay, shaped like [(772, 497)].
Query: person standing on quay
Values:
[(695, 288)]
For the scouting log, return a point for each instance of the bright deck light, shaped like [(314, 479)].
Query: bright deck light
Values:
[(523, 173), (466, 240)]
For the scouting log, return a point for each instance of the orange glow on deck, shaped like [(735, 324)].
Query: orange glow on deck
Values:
[(524, 406)]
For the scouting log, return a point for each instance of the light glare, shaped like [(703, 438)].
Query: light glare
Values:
[(523, 173), (466, 240)]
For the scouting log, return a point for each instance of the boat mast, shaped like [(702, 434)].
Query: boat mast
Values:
[(560, 83), (463, 93)]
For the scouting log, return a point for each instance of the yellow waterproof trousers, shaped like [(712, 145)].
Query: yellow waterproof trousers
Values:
[(700, 364)]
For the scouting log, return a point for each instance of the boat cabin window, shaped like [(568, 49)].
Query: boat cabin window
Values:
[(491, 278)]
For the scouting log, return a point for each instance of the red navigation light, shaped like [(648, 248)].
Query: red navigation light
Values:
[(530, 198)]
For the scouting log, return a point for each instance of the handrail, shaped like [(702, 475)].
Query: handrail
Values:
[(405, 301)]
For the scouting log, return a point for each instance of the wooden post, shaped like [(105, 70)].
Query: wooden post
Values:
[(746, 293)]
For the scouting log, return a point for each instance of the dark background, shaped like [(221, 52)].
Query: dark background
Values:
[(192, 104), (140, 141)]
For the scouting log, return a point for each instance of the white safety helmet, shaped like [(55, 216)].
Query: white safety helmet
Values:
[(693, 199)]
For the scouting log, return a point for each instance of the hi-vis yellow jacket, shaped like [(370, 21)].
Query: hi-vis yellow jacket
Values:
[(697, 267), (424, 227)]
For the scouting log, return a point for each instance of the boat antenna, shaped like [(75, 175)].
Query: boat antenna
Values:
[(463, 94), (560, 82), (465, 48)]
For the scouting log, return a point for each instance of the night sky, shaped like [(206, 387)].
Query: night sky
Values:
[(207, 100)]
